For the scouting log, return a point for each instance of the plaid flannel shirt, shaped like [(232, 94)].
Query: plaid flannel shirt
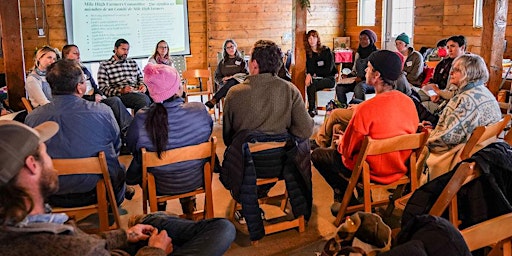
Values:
[(114, 75)]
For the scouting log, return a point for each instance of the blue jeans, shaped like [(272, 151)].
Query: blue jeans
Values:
[(208, 237)]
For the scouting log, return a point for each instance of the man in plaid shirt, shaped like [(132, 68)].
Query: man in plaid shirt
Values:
[(120, 76)]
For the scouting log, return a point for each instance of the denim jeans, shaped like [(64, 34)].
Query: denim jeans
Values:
[(208, 237)]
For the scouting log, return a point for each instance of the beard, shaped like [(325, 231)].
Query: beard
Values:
[(49, 182), (122, 56)]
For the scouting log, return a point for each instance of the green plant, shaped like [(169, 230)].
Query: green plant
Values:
[(304, 3)]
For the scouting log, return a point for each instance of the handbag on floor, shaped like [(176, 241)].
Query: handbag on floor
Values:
[(361, 234)]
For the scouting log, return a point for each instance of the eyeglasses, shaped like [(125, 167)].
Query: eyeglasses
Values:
[(84, 79), (230, 47), (163, 47), (454, 69)]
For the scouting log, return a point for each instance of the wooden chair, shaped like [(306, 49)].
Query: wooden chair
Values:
[(194, 152), (482, 134), (271, 227), (198, 82), (95, 166), (495, 232), (26, 104), (476, 141), (415, 142), (465, 173)]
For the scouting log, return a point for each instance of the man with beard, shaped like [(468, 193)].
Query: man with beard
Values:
[(121, 76), (27, 226)]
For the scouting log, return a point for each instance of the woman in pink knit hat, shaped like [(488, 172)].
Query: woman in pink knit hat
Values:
[(168, 123)]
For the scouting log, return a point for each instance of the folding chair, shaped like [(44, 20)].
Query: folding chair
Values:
[(194, 152), (91, 166), (414, 142)]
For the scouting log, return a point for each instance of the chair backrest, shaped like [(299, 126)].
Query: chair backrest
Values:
[(415, 142), (482, 134), (494, 232), (198, 81), (465, 173), (91, 166), (26, 104), (194, 152)]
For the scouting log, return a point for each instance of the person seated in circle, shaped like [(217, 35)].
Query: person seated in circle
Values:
[(231, 65)]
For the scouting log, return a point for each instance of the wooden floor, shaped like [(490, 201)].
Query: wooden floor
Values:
[(291, 242)]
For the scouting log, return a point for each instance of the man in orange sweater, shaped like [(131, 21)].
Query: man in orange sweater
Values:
[(390, 113)]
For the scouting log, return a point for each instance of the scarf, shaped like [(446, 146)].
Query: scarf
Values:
[(40, 72), (366, 51), (160, 60)]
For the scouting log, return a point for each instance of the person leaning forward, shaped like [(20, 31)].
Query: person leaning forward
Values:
[(27, 178)]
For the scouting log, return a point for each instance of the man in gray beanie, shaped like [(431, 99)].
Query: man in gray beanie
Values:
[(390, 113)]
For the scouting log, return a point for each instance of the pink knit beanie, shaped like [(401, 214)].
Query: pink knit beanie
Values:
[(163, 81)]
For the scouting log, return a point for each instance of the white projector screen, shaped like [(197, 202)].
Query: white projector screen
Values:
[(95, 25)]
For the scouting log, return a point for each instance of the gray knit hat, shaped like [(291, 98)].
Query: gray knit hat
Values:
[(17, 141)]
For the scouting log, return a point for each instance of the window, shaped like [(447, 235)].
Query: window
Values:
[(478, 14), (404, 24), (366, 13)]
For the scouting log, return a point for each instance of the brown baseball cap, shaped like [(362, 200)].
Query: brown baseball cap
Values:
[(17, 141)]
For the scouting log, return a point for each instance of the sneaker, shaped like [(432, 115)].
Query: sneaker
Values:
[(239, 217), (129, 193), (312, 113)]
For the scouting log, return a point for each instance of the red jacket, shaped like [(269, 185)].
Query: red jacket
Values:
[(386, 115)]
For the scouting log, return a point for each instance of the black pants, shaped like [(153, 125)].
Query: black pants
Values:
[(328, 163), (317, 85), (223, 90)]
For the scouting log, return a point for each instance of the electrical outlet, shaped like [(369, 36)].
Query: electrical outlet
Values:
[(40, 31)]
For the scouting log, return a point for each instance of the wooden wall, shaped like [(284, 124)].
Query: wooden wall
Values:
[(352, 30), (212, 21), (247, 21), (437, 19)]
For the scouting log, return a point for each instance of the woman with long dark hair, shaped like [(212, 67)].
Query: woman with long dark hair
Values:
[(232, 63), (168, 123), (320, 69)]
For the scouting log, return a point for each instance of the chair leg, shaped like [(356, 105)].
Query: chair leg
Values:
[(399, 191)]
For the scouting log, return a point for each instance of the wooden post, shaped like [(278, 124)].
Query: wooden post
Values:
[(299, 52), (14, 60), (493, 35)]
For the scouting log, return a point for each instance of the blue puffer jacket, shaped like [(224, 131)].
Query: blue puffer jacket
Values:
[(189, 124), (239, 176)]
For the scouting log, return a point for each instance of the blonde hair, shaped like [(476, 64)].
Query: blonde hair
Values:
[(41, 52)]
